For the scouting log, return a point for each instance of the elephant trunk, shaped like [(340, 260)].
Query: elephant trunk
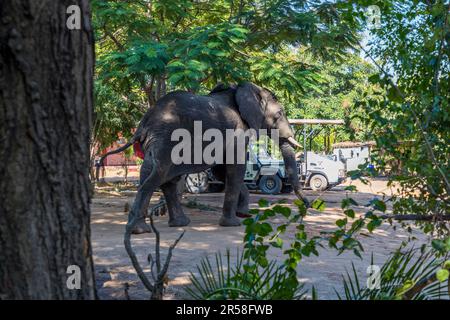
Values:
[(290, 164)]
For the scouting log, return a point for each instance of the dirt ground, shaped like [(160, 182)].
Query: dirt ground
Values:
[(204, 237)]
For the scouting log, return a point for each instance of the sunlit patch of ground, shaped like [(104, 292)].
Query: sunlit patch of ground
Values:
[(204, 237)]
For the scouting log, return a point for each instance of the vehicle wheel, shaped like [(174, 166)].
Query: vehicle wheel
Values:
[(197, 182), (270, 184), (286, 189), (318, 182)]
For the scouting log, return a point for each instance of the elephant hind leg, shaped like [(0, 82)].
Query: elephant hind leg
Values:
[(140, 226), (172, 193), (150, 180)]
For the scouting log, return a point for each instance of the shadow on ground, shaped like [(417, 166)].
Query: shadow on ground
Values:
[(204, 237)]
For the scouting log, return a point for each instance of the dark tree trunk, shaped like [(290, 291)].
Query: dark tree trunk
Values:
[(46, 73)]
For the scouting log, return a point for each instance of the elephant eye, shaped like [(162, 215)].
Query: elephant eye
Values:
[(278, 115), (274, 97)]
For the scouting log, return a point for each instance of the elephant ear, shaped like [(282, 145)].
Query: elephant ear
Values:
[(251, 105)]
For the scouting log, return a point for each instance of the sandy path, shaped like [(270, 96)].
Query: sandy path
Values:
[(204, 237)]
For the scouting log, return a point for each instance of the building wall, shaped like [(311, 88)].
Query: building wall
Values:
[(118, 159)]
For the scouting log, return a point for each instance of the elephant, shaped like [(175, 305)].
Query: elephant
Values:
[(243, 106)]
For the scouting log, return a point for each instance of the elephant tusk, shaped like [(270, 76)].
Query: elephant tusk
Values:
[(294, 142)]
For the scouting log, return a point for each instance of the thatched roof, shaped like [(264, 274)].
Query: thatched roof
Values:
[(351, 144)]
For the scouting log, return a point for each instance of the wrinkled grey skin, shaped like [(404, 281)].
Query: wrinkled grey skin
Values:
[(244, 106)]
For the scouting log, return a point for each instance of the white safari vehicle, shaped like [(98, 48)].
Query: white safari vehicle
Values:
[(321, 172), (318, 171), (266, 172)]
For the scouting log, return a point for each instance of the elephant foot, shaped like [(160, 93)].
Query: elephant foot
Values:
[(243, 215), (180, 221), (229, 222), (141, 227)]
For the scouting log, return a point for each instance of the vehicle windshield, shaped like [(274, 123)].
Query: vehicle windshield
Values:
[(260, 149)]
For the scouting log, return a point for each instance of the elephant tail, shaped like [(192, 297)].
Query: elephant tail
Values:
[(121, 149)]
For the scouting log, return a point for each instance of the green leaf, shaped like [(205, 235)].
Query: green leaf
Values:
[(133, 59), (265, 229), (447, 244), (357, 253), (213, 44), (176, 64), (175, 78), (347, 202), (394, 95), (151, 52), (447, 265), (379, 205), (351, 188), (197, 65), (341, 222), (442, 275), (349, 213), (285, 211), (269, 213), (375, 78), (301, 235), (318, 204), (263, 203), (262, 261), (301, 206), (438, 245), (278, 243), (374, 224)]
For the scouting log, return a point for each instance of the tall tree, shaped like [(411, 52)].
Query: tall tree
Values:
[(408, 114), (147, 48), (46, 80)]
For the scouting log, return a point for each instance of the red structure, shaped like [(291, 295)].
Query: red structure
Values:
[(118, 159)]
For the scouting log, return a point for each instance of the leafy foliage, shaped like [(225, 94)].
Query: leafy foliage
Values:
[(340, 87), (208, 55), (113, 113), (408, 114), (147, 48), (253, 276), (398, 275), (228, 280)]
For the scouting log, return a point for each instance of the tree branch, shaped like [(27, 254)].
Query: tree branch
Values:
[(132, 255), (169, 256), (414, 217), (157, 287)]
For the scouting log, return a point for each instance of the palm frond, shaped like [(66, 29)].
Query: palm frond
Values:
[(227, 280), (398, 274)]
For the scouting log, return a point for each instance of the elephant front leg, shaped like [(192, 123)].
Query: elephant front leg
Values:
[(233, 186), (242, 208), (172, 194)]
